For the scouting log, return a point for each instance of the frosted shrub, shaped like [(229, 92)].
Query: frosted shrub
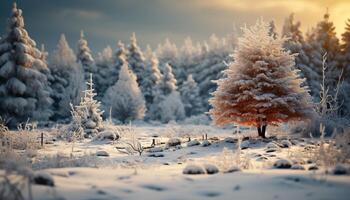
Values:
[(25, 138), (228, 160), (62, 161), (333, 151), (17, 165), (131, 144)]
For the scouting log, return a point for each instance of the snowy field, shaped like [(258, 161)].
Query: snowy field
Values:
[(101, 169)]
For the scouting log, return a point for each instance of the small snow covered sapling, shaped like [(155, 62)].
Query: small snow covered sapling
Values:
[(261, 87), (88, 114)]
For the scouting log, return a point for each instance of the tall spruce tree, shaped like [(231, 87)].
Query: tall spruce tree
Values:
[(190, 97), (84, 57), (345, 48), (125, 98), (24, 87), (296, 45), (167, 104), (152, 80), (68, 79), (106, 74), (320, 41), (136, 59)]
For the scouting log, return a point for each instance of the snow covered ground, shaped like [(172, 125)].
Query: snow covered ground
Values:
[(88, 173)]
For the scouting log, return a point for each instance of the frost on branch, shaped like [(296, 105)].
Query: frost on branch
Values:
[(84, 56), (262, 86)]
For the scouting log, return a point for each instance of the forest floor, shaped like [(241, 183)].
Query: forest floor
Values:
[(100, 169)]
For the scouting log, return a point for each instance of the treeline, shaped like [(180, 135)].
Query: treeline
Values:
[(166, 83)]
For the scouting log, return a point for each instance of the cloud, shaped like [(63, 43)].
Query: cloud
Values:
[(82, 14)]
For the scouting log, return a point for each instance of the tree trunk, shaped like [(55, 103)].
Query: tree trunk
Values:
[(259, 131), (262, 131)]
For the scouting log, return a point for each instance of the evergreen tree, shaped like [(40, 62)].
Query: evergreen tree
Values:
[(84, 57), (345, 47), (125, 98), (152, 80), (167, 53), (323, 40), (210, 66), (168, 81), (296, 45), (68, 79), (24, 87), (89, 112), (171, 108), (119, 57), (272, 29), (344, 93), (190, 97), (262, 86), (107, 73), (148, 53), (167, 104), (136, 59)]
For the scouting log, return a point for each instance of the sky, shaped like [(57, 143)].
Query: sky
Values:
[(107, 21)]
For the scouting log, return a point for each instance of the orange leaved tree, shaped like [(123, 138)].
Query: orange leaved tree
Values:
[(262, 86)]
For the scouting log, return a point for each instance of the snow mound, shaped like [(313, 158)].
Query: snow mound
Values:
[(193, 143), (206, 143), (282, 164), (313, 167), (43, 178), (272, 145), (108, 135), (340, 169), (156, 155), (286, 144), (90, 124), (172, 142), (155, 149), (298, 167), (193, 169), (233, 169), (102, 153), (230, 140), (245, 144), (211, 169)]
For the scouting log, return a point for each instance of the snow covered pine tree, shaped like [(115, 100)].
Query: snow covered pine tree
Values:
[(167, 104), (68, 79), (262, 86), (190, 97), (24, 88), (88, 112), (125, 97), (106, 71), (84, 57), (152, 81), (136, 60)]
